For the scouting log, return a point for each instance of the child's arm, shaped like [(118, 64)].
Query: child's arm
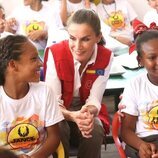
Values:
[(63, 12), (128, 125), (123, 40), (128, 135), (38, 35), (51, 143)]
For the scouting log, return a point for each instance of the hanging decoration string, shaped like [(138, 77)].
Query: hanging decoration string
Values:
[(108, 13)]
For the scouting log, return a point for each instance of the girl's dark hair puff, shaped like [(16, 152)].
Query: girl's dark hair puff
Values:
[(10, 49), (87, 16), (145, 37)]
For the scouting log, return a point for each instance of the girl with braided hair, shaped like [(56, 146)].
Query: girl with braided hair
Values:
[(29, 114)]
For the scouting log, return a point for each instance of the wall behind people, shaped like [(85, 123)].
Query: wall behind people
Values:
[(140, 6), (12, 4)]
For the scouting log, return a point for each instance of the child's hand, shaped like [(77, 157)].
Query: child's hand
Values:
[(120, 107), (37, 35), (11, 24), (155, 155), (147, 150)]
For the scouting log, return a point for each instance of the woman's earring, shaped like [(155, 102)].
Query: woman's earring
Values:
[(98, 41)]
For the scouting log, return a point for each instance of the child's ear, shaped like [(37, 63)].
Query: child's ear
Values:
[(140, 63), (12, 65)]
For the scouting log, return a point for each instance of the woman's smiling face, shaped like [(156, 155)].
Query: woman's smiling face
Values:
[(82, 40)]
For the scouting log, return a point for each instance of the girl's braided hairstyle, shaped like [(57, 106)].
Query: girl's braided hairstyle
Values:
[(11, 47)]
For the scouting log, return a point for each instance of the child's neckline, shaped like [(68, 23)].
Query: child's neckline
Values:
[(76, 1), (16, 97)]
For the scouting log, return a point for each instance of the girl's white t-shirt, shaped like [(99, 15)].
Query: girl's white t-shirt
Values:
[(141, 99), (23, 121)]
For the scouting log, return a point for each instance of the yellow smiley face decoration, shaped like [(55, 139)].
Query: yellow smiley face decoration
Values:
[(34, 26), (116, 20)]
